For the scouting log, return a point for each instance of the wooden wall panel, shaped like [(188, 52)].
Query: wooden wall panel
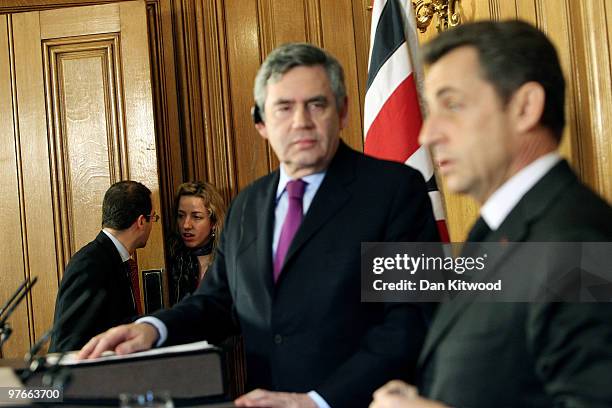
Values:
[(73, 21), (135, 74), (244, 54), (88, 179), (81, 105), (361, 19), (341, 43), (219, 134), (188, 77), (37, 197), (595, 94), (165, 104), (80, 116), (555, 21), (13, 6), (12, 251), (525, 10), (478, 10), (314, 29), (287, 20)]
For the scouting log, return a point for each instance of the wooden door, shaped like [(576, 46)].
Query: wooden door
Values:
[(77, 116)]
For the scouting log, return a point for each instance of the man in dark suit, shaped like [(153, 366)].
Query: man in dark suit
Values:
[(495, 93), (297, 301), (101, 266)]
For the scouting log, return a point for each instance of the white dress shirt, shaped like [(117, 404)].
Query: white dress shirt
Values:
[(125, 255), (495, 210), (313, 182)]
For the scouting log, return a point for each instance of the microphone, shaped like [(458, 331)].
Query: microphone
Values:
[(16, 298), (69, 314), (57, 376), (8, 302), (33, 365), (9, 307)]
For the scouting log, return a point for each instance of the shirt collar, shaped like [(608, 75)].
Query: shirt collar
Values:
[(504, 199), (313, 181), (123, 252)]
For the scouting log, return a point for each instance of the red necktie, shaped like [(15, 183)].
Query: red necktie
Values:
[(293, 219)]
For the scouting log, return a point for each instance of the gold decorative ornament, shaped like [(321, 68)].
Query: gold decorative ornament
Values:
[(446, 12)]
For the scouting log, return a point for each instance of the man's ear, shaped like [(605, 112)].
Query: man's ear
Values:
[(527, 106), (140, 221), (261, 128)]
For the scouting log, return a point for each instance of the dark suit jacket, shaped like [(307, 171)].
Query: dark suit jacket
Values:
[(528, 354), (310, 331), (97, 266)]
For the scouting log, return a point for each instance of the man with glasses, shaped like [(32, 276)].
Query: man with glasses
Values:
[(102, 265)]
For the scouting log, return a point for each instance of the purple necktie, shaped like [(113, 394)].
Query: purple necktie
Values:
[(293, 219)]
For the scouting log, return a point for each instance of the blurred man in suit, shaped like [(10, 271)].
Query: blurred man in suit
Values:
[(309, 339), (495, 98), (102, 265)]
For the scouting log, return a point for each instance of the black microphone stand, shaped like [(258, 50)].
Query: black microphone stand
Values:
[(56, 375), (35, 364), (9, 307)]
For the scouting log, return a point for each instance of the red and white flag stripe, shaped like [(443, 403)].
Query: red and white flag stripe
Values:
[(392, 114)]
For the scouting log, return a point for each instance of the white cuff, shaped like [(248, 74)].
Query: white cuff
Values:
[(162, 330), (321, 403)]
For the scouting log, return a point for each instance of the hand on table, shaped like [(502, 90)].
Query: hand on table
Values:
[(270, 399), (398, 394), (124, 339)]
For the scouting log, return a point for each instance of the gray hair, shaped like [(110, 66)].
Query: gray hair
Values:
[(289, 56)]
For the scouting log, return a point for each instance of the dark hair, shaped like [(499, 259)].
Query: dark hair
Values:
[(510, 53), (123, 203), (213, 202), (289, 56)]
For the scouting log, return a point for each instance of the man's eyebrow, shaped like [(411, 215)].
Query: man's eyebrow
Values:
[(318, 98), (445, 91), (283, 101)]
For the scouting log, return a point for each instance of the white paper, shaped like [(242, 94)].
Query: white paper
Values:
[(70, 358)]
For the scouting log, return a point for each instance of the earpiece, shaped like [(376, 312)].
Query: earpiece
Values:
[(256, 114)]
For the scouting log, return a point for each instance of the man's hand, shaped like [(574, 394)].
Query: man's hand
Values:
[(398, 394), (124, 339), (268, 399)]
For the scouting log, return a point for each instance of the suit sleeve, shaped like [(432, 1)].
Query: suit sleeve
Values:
[(570, 343), (83, 274), (391, 347)]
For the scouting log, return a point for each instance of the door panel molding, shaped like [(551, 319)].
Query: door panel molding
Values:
[(80, 117), (84, 96)]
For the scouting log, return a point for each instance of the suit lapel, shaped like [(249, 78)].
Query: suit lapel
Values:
[(448, 313), (331, 197), (515, 228), (261, 212)]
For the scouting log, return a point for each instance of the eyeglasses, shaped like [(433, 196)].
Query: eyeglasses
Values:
[(152, 218)]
